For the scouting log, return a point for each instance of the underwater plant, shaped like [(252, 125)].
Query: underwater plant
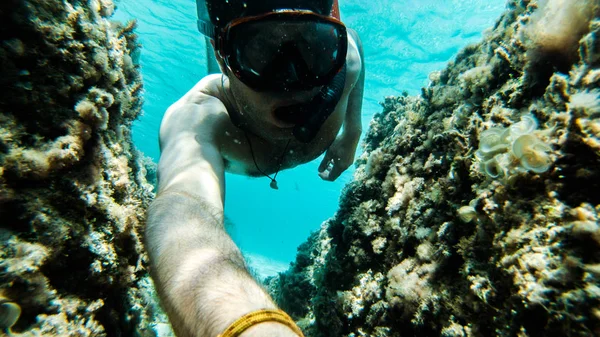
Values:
[(504, 152)]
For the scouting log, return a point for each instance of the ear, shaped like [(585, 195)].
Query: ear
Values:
[(221, 63)]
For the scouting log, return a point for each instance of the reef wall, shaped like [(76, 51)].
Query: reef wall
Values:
[(73, 190), (474, 208)]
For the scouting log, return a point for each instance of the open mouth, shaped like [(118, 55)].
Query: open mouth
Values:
[(291, 115)]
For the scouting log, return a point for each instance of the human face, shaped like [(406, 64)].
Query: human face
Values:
[(257, 110), (283, 50)]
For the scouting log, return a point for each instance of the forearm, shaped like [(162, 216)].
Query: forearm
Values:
[(353, 120), (199, 272)]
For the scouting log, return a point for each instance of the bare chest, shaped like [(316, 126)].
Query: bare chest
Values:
[(246, 154)]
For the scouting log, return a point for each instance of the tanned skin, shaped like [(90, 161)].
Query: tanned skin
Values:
[(201, 276)]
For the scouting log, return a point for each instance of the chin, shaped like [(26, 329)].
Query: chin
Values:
[(277, 133)]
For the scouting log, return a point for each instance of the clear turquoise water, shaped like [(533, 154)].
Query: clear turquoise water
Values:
[(404, 40)]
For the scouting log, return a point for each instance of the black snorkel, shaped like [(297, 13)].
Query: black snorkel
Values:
[(312, 115)]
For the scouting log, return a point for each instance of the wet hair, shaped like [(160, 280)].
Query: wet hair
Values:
[(222, 12)]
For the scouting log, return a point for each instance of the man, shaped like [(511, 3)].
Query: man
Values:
[(291, 76)]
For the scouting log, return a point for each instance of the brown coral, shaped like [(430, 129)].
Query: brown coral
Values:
[(72, 187), (466, 254)]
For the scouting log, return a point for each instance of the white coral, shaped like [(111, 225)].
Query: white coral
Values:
[(586, 101), (506, 151)]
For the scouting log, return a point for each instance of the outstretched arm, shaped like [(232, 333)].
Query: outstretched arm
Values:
[(340, 154), (199, 272)]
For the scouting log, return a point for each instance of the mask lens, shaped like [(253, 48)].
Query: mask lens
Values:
[(320, 47), (283, 52)]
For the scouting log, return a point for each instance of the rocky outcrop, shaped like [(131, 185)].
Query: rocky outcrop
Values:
[(72, 189), (474, 208)]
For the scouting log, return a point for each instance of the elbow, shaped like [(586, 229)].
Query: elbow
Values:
[(157, 219)]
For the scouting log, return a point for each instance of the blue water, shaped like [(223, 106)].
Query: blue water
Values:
[(404, 40)]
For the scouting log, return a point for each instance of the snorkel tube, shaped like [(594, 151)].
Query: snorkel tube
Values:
[(315, 113)]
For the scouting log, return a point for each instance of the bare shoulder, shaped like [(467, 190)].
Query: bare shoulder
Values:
[(199, 111)]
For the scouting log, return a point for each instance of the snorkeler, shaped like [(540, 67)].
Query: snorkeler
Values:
[(292, 75)]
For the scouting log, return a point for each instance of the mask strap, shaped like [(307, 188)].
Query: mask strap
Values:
[(204, 25)]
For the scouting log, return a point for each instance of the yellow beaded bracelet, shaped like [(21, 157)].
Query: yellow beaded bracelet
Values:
[(257, 317)]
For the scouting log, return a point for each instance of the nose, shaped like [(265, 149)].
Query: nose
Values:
[(286, 72)]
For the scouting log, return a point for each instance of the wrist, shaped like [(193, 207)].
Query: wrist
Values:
[(263, 322), (273, 329)]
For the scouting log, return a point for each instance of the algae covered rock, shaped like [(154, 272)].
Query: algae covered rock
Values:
[(430, 239), (72, 189)]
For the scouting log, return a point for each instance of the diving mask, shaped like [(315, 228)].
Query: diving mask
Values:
[(283, 50)]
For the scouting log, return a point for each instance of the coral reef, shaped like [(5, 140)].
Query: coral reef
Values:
[(431, 241), (73, 190), (504, 152)]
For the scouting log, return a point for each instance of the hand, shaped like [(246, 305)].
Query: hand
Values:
[(338, 157)]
